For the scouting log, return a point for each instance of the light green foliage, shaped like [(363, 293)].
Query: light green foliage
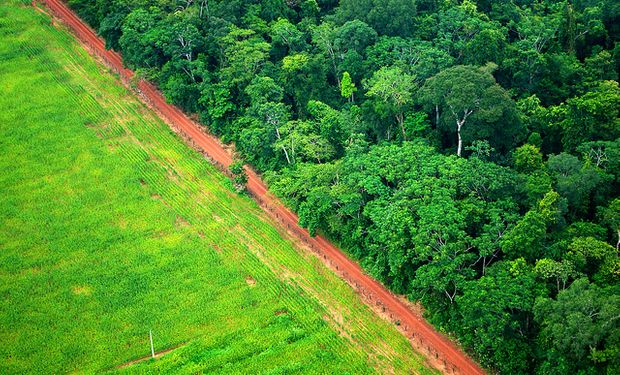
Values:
[(417, 57), (468, 35), (528, 159), (285, 33), (347, 87), (409, 203), (417, 125), (240, 177), (600, 67), (534, 118), (588, 255), (370, 168), (110, 226), (216, 99), (560, 272), (592, 116), (294, 64), (332, 124), (301, 141), (245, 54), (602, 154), (392, 90), (262, 90), (527, 239)]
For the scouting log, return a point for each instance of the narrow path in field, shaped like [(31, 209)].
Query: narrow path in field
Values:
[(146, 358), (442, 352)]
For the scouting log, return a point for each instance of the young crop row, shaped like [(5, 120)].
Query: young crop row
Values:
[(170, 246)]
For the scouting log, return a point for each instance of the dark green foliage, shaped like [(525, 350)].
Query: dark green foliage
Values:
[(353, 109), (388, 17), (496, 311), (580, 329), (467, 102), (240, 177)]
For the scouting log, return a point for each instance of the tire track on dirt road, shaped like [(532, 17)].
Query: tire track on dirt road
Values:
[(442, 353)]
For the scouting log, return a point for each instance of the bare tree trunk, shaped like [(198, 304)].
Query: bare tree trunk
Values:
[(460, 121), (400, 118), (288, 160), (204, 7), (459, 148)]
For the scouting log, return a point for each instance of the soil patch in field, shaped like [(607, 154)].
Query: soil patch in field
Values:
[(146, 358)]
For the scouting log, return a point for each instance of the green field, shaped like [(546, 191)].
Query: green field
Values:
[(110, 226)]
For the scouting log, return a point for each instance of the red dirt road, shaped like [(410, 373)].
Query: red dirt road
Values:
[(441, 351)]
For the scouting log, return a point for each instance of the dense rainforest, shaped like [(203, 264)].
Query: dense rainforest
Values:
[(466, 153)]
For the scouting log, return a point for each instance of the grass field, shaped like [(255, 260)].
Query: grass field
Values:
[(110, 227)]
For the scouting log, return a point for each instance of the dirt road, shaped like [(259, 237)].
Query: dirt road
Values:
[(441, 352)]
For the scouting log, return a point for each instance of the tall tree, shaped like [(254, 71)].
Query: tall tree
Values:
[(388, 17), (581, 329), (593, 116), (392, 90), (347, 87), (468, 95)]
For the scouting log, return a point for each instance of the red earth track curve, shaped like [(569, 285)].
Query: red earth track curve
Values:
[(447, 355)]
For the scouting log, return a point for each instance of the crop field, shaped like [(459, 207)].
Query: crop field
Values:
[(110, 226)]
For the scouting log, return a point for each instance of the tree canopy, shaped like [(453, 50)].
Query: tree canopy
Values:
[(467, 153)]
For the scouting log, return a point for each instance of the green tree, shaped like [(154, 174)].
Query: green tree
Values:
[(354, 36), (581, 329), (240, 177), (139, 39), (464, 95), (284, 33), (528, 159), (589, 255), (592, 116), (347, 87), (459, 30), (389, 17), (610, 216), (392, 90), (529, 237), (245, 54), (560, 272), (495, 314), (487, 46), (324, 37), (416, 57), (579, 183), (535, 33), (301, 141)]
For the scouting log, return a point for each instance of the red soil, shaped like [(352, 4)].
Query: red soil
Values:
[(442, 352)]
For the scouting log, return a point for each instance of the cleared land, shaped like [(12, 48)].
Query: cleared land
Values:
[(110, 226)]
